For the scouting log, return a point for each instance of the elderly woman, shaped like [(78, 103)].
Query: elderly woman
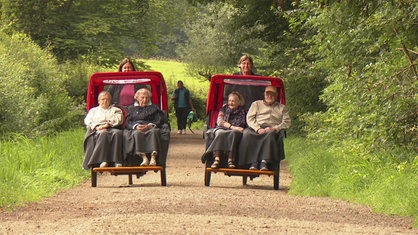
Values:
[(261, 143), (145, 119), (103, 141), (227, 135)]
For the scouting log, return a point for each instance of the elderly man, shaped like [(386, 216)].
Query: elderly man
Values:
[(261, 142)]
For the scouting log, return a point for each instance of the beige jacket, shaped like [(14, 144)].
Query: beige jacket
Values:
[(263, 115)]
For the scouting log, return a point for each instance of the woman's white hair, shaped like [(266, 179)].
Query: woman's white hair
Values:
[(143, 91), (104, 93)]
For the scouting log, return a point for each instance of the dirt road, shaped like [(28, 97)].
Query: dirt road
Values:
[(186, 206)]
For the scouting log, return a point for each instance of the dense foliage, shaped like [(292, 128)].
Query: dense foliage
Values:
[(105, 30), (368, 53), (34, 100)]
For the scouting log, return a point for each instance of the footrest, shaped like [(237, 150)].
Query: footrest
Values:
[(128, 169), (240, 172)]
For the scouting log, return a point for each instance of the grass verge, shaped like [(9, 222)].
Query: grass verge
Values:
[(381, 181), (35, 169)]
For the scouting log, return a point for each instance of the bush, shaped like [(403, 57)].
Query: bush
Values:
[(34, 99)]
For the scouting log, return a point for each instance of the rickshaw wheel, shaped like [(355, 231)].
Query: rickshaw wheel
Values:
[(207, 174), (163, 177), (276, 182), (93, 178)]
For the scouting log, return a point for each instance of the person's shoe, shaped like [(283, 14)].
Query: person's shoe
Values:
[(254, 166), (118, 164), (179, 132), (153, 161), (183, 131), (145, 160), (263, 166), (231, 164), (215, 164), (103, 164)]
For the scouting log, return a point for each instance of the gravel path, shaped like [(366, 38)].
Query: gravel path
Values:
[(186, 206)]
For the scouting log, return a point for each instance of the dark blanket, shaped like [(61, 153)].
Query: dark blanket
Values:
[(256, 147), (163, 142), (220, 139), (102, 146)]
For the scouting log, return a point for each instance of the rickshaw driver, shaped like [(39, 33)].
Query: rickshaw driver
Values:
[(250, 93)]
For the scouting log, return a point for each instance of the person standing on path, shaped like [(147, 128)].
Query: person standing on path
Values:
[(183, 105)]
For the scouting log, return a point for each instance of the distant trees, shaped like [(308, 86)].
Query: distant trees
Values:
[(215, 42), (103, 30), (223, 31)]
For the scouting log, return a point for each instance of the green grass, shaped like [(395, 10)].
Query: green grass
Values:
[(174, 71), (379, 181), (34, 169)]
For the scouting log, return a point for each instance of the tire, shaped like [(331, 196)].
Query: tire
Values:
[(163, 177), (93, 178), (207, 173)]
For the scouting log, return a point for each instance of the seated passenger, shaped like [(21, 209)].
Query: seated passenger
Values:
[(261, 141), (227, 135), (145, 119), (103, 141)]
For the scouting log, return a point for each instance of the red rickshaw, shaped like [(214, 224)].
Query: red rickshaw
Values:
[(252, 88), (155, 82)]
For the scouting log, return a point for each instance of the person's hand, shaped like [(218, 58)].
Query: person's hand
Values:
[(102, 127), (238, 128), (142, 127), (265, 130)]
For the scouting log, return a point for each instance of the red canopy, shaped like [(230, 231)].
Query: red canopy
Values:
[(219, 82), (151, 78)]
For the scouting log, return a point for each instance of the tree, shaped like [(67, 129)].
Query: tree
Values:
[(71, 28), (216, 41), (368, 50)]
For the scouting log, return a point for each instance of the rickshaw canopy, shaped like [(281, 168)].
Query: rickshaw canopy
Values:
[(152, 79), (218, 83)]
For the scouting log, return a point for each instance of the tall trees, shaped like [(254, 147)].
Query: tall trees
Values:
[(368, 53), (71, 28), (104, 30), (224, 30), (215, 41)]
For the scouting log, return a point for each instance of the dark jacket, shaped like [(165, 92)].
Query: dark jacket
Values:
[(186, 96), (144, 115)]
